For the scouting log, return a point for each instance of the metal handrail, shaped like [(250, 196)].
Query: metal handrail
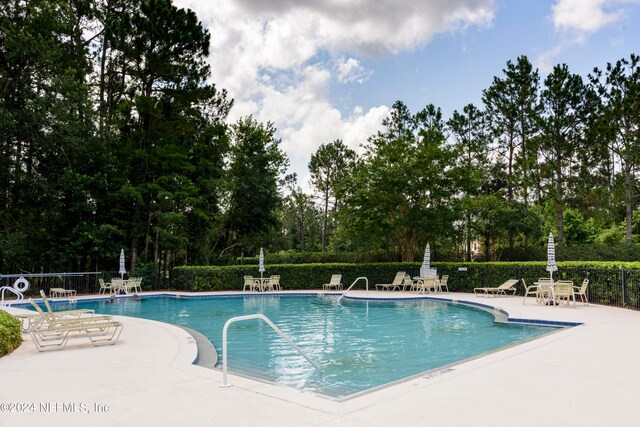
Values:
[(354, 282), (225, 382), (32, 275), (5, 288)]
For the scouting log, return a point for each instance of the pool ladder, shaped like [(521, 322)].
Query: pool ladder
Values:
[(8, 288), (354, 282), (225, 381)]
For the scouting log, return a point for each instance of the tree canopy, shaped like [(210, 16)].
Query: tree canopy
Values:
[(112, 135)]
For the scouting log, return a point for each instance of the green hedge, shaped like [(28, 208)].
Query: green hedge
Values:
[(10, 337), (322, 258), (519, 254), (292, 276), (611, 283)]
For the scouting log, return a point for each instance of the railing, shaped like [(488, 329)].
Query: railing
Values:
[(225, 382), (7, 288), (354, 282)]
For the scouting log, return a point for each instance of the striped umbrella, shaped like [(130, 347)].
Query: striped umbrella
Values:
[(551, 256), (261, 265), (426, 262), (122, 270)]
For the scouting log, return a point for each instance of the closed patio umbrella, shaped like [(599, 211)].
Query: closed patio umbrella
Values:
[(122, 270), (261, 265), (424, 269), (551, 256)]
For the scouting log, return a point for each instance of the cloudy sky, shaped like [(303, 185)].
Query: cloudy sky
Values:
[(327, 69)]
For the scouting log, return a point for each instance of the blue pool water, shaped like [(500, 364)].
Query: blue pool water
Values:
[(358, 345)]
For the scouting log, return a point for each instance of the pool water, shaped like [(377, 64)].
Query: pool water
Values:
[(357, 345)]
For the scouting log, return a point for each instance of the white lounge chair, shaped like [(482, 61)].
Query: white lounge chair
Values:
[(334, 283), (509, 285), (64, 313), (53, 332), (396, 284)]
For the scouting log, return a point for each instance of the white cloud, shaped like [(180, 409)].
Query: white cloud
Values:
[(576, 20), (277, 58), (350, 71), (546, 60), (584, 17)]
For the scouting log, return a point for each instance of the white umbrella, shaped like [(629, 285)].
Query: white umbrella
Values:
[(122, 271), (261, 266), (551, 256), (426, 262)]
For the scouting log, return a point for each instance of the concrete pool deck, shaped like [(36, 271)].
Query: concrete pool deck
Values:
[(585, 375)]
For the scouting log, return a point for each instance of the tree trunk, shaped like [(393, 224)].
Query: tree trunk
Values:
[(628, 200), (559, 202), (510, 190), (468, 249), (487, 246), (134, 256), (324, 220)]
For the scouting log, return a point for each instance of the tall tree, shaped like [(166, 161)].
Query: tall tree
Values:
[(511, 104), (566, 104), (46, 125), (168, 122), (328, 167), (256, 164), (301, 221), (468, 130), (402, 187), (620, 89)]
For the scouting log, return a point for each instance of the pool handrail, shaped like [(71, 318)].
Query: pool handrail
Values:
[(225, 382), (354, 282), (10, 289)]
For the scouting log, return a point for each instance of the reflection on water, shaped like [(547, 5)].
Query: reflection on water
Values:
[(357, 344)]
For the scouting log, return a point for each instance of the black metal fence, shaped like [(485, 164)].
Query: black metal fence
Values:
[(81, 282), (613, 287)]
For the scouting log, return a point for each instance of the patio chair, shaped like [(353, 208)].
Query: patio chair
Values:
[(104, 287), (427, 284), (442, 283), (251, 283), (408, 283), (53, 333), (273, 284), (133, 284), (531, 290), (334, 283), (396, 284), (581, 291), (564, 291), (509, 285), (118, 285)]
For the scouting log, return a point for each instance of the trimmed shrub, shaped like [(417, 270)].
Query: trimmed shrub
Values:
[(611, 283), (10, 337)]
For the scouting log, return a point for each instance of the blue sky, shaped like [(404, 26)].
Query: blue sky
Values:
[(322, 70), (454, 68)]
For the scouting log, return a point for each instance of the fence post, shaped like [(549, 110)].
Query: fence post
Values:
[(624, 287)]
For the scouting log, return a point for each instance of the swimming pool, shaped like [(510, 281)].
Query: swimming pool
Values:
[(357, 345)]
